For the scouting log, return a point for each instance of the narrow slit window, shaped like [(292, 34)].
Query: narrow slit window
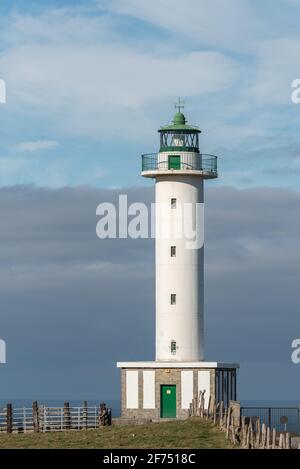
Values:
[(173, 251), (173, 347), (173, 299), (173, 203)]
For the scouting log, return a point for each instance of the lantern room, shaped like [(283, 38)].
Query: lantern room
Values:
[(179, 136)]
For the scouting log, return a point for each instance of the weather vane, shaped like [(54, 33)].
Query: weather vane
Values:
[(179, 105)]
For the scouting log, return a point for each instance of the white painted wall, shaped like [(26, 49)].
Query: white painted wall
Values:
[(186, 388), (204, 384), (132, 389), (182, 275), (149, 389)]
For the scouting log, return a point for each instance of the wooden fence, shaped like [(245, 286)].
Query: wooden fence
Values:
[(41, 418), (244, 432)]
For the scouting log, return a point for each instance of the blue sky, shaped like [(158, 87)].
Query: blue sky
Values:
[(96, 79)]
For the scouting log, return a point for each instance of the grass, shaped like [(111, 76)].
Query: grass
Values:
[(185, 434)]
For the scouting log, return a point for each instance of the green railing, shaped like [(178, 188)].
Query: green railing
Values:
[(208, 164)]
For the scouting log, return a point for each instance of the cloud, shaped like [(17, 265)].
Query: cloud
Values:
[(76, 72), (277, 67), (39, 145), (92, 84), (70, 294), (293, 2), (216, 22)]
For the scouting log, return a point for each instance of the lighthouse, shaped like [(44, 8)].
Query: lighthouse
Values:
[(165, 387), (179, 173)]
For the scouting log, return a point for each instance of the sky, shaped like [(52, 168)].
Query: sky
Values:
[(88, 85)]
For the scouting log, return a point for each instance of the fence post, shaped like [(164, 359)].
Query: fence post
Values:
[(235, 412), (233, 431), (243, 436), (263, 436), (85, 414), (102, 415), (274, 438), (248, 437), (268, 437), (45, 417), (257, 429), (196, 405), (95, 417), (67, 416), (208, 408), (281, 438), (288, 441), (202, 405), (212, 407), (24, 420), (62, 419), (216, 405), (109, 416), (9, 418), (243, 432), (224, 421), (228, 421), (35, 417), (221, 409), (251, 435)]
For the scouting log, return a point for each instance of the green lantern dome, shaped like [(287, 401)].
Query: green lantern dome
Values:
[(179, 119)]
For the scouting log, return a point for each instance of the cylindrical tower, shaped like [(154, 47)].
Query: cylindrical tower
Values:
[(179, 170)]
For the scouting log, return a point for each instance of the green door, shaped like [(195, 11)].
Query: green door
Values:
[(174, 162), (168, 401)]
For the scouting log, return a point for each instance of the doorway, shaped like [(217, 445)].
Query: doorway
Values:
[(174, 162), (168, 401)]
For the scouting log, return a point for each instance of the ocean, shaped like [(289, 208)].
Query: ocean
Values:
[(115, 404)]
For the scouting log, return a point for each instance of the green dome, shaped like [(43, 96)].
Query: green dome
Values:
[(179, 119)]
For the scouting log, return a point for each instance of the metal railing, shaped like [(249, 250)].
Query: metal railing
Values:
[(284, 419), (51, 419), (55, 418), (208, 164)]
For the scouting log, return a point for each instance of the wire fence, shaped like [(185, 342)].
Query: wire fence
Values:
[(284, 419)]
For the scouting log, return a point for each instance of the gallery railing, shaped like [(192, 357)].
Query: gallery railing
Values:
[(208, 164)]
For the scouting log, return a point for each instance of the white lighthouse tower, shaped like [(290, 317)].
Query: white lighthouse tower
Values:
[(165, 388), (179, 172)]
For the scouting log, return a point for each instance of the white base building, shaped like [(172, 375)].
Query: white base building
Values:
[(158, 390)]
